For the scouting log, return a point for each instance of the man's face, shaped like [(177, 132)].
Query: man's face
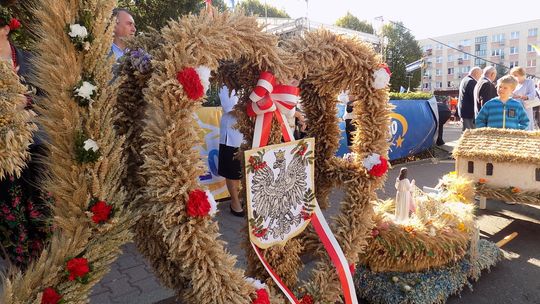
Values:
[(125, 25), (492, 76)]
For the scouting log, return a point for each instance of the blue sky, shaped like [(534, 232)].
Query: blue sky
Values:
[(424, 18)]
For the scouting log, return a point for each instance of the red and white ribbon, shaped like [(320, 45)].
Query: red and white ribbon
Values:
[(268, 99), (336, 255)]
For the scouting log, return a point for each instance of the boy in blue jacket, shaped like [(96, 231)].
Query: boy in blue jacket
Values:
[(503, 111)]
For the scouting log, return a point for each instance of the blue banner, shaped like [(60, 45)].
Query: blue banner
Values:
[(412, 128)]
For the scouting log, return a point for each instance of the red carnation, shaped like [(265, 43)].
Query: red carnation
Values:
[(191, 82), (77, 268), (101, 211), (262, 297), (307, 299), (14, 24), (198, 204), (379, 169), (50, 296)]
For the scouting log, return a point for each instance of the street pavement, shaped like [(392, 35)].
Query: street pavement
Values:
[(514, 280)]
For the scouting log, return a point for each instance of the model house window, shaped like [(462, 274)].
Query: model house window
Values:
[(538, 174), (489, 169), (470, 167)]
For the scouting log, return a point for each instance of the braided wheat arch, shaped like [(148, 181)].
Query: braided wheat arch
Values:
[(329, 63), (59, 67), (185, 251)]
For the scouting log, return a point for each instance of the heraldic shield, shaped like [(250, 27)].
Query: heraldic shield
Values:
[(280, 191)]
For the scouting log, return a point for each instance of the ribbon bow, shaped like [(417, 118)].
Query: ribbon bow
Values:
[(267, 99)]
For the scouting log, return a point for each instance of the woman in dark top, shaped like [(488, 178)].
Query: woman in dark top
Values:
[(24, 212)]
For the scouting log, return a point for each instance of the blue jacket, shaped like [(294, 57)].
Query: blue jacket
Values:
[(496, 114)]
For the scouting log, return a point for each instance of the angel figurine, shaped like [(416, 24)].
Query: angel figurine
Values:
[(404, 196)]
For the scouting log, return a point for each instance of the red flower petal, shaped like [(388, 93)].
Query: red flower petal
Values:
[(14, 24), (191, 82), (262, 297), (101, 211), (50, 296), (380, 169), (198, 204), (77, 268)]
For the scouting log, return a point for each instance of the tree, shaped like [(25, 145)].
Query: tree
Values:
[(156, 13), (402, 49), (352, 22), (501, 70), (254, 7)]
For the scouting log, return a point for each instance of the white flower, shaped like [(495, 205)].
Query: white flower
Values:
[(86, 46), (349, 157), (90, 144), (395, 279), (204, 76), (432, 231), (381, 79), (77, 31), (256, 283), (212, 201), (407, 287), (86, 90), (371, 160)]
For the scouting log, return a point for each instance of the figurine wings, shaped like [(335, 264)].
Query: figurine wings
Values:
[(276, 198)]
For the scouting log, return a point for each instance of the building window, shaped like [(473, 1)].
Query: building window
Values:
[(514, 50), (538, 174), (426, 85), (514, 64), (498, 38), (470, 167), (533, 32), (479, 61), (530, 48), (437, 72), (514, 35), (481, 39), (466, 56), (465, 42), (497, 52), (427, 47), (438, 59), (531, 63), (489, 169), (449, 84), (438, 46), (438, 85), (450, 71), (450, 58)]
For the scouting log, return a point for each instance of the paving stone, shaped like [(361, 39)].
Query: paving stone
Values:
[(121, 287), (126, 261), (148, 284), (137, 273), (113, 275), (102, 298), (99, 288)]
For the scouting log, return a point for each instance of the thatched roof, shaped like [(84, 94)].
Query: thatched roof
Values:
[(500, 145)]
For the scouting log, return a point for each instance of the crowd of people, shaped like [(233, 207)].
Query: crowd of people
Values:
[(510, 103)]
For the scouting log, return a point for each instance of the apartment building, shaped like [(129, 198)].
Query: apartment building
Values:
[(449, 58)]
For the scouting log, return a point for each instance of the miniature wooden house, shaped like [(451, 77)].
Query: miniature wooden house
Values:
[(500, 158)]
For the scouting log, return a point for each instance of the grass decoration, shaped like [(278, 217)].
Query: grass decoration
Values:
[(437, 233), (455, 188), (499, 145), (430, 286), (327, 64), (133, 70), (184, 250), (16, 126), (59, 67), (508, 194), (410, 96)]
